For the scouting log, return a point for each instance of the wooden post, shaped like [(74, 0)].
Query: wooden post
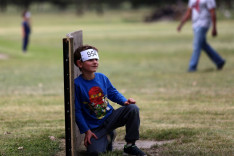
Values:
[(72, 134)]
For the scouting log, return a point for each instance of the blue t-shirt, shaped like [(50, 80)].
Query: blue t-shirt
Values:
[(91, 101)]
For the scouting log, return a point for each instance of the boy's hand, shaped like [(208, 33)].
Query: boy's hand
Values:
[(130, 101), (88, 135)]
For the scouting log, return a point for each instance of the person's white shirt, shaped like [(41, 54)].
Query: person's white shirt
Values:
[(201, 14)]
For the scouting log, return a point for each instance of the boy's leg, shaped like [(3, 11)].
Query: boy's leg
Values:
[(103, 143), (97, 145), (128, 116), (111, 137)]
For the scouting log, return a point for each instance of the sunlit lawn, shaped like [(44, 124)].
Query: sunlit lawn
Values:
[(145, 61)]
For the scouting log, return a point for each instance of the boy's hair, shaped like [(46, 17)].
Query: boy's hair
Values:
[(77, 55)]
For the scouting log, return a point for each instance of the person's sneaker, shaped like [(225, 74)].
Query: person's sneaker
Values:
[(220, 66), (133, 150), (111, 138)]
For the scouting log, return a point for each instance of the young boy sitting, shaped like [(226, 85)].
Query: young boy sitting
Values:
[(94, 115)]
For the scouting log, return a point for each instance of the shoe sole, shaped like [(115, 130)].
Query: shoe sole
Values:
[(126, 154)]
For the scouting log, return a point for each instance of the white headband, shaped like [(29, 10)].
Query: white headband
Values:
[(89, 54)]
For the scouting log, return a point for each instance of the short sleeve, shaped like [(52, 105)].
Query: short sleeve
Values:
[(211, 4), (190, 4)]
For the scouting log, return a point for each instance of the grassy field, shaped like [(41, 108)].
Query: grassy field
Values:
[(146, 61)]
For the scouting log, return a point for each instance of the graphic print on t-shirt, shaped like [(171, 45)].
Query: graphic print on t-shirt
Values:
[(197, 5), (98, 102)]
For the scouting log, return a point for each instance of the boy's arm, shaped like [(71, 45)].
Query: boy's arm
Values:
[(80, 121), (114, 95), (185, 18)]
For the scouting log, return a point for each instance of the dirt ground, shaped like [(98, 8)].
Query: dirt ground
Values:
[(145, 145)]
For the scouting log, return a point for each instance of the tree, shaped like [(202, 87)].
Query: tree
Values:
[(3, 5)]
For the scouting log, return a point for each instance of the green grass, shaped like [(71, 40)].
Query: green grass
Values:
[(145, 61)]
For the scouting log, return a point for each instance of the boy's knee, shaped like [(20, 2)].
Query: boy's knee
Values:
[(97, 146), (133, 107)]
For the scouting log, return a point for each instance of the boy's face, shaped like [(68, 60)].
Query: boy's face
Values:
[(88, 61), (89, 65)]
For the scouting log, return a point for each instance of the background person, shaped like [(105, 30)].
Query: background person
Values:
[(203, 14), (26, 29)]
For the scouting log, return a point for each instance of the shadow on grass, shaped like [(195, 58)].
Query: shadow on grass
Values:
[(208, 70)]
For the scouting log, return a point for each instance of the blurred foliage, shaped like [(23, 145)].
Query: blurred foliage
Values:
[(98, 4)]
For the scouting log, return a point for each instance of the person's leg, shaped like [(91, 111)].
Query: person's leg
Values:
[(197, 45), (111, 138), (212, 54), (25, 43), (97, 146), (128, 116)]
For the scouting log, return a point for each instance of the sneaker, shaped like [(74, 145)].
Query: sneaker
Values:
[(133, 150), (220, 66), (111, 138)]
